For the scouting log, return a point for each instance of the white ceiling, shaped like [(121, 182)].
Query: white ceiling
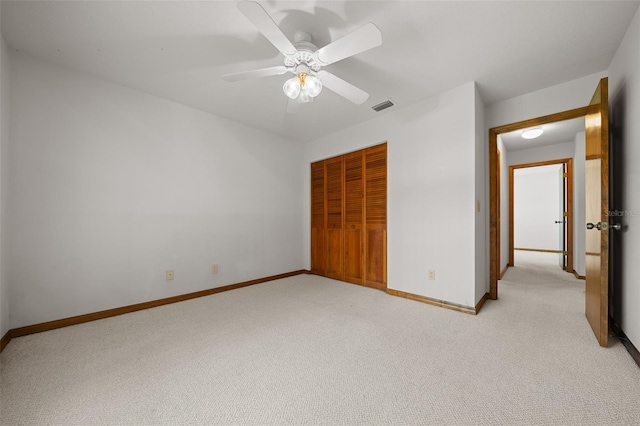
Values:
[(179, 50), (554, 133)]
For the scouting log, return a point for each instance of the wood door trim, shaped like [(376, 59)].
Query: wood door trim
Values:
[(512, 168), (498, 208), (537, 250), (494, 241)]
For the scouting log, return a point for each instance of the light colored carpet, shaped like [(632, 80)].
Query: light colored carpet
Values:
[(309, 350)]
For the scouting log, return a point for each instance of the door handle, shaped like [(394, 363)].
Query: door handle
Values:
[(616, 226), (591, 226), (559, 221)]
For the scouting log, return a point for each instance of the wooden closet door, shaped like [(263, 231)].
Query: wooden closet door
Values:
[(334, 222), (354, 217), (318, 228), (376, 217)]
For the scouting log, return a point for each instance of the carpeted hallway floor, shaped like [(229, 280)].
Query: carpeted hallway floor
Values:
[(309, 350)]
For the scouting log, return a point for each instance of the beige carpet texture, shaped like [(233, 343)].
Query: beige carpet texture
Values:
[(310, 350)]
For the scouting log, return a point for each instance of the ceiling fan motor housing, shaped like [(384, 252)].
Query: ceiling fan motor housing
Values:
[(304, 53)]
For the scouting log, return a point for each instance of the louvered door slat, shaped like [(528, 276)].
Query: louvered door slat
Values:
[(318, 246), (376, 171), (354, 211), (334, 222), (375, 238)]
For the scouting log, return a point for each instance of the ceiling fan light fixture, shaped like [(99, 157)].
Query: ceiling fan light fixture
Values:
[(303, 86), (532, 133), (304, 96), (312, 86), (291, 87), (303, 56)]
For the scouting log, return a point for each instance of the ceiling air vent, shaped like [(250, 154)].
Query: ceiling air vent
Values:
[(383, 105)]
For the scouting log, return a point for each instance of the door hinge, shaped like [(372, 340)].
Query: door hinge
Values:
[(565, 175), (565, 214)]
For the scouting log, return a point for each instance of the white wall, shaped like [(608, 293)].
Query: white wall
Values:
[(110, 187), (481, 178), (579, 215), (504, 205), (562, 97), (431, 191), (624, 102), (4, 182), (536, 207), (543, 153)]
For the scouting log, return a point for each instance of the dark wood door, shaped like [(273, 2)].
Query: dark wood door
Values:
[(318, 229), (334, 222), (354, 217), (375, 240), (597, 207)]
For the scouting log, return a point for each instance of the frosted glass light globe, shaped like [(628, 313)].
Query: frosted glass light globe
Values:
[(291, 88), (313, 86)]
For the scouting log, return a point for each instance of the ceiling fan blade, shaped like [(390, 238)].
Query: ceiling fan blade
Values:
[(262, 72), (360, 40), (263, 22), (342, 88)]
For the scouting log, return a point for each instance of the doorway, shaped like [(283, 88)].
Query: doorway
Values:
[(494, 213), (597, 205), (541, 212)]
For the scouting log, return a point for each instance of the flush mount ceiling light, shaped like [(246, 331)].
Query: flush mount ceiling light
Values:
[(532, 133), (304, 60)]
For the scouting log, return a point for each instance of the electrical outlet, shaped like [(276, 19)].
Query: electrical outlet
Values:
[(214, 269), (432, 274), (169, 275)]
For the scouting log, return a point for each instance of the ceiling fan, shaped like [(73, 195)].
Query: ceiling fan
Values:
[(303, 59)]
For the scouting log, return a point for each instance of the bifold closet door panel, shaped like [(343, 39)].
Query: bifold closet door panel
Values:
[(318, 229), (376, 272), (334, 222), (354, 217), (376, 216)]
